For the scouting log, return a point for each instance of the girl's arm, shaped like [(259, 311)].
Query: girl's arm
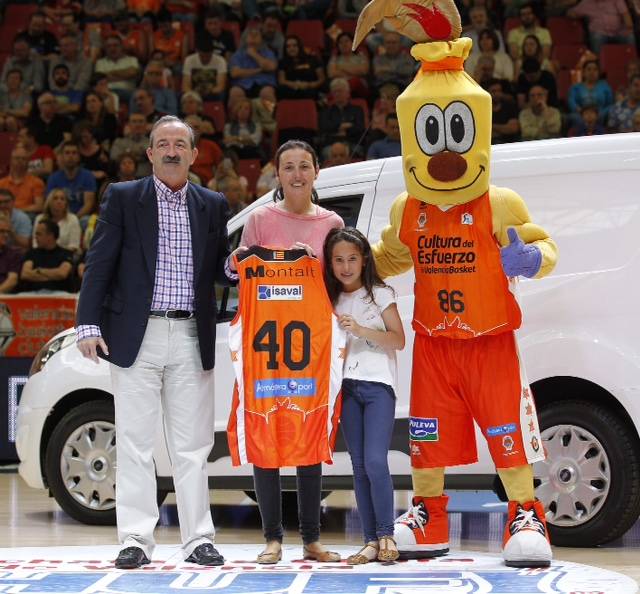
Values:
[(392, 338)]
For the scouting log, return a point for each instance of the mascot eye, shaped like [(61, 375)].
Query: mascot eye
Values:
[(430, 130), (460, 127)]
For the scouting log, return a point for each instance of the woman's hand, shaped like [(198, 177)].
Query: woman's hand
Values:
[(347, 322), (298, 245)]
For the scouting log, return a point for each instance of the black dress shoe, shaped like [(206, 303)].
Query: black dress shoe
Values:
[(205, 554), (131, 558)]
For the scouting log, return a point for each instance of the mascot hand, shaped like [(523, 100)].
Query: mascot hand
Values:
[(518, 258)]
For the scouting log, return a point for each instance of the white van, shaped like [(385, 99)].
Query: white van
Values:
[(578, 341)]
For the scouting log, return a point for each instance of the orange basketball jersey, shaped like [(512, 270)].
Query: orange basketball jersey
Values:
[(287, 351), (461, 289)]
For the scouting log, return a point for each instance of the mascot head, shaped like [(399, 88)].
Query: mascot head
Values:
[(445, 126), (444, 115)]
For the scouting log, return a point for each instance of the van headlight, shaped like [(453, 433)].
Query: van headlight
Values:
[(51, 348)]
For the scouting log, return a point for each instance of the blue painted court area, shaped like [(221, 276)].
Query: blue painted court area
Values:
[(82, 570), (475, 501)]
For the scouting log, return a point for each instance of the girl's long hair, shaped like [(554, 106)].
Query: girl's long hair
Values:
[(369, 275), (278, 194)]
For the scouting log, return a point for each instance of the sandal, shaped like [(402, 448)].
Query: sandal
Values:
[(363, 555), (388, 550), (270, 555), (319, 553)]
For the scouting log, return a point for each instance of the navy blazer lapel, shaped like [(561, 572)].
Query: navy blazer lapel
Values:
[(199, 228), (147, 219)]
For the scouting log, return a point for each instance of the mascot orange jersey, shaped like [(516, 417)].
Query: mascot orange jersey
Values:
[(287, 350), (461, 289)]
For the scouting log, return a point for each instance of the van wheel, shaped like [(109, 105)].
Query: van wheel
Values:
[(81, 463), (590, 482)]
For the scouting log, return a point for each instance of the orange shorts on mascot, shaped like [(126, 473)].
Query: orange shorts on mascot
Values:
[(468, 242)]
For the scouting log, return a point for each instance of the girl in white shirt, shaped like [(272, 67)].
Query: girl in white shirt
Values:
[(367, 310)]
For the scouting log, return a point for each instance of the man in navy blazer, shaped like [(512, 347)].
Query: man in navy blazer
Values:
[(147, 306)]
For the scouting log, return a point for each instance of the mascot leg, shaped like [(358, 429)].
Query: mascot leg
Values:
[(423, 531), (526, 539)]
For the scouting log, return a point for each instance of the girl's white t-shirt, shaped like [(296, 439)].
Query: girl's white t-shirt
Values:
[(366, 360)]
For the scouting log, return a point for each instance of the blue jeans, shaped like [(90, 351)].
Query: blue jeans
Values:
[(368, 412)]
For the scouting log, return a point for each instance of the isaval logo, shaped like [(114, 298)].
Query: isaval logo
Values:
[(278, 388), (422, 429), (280, 293)]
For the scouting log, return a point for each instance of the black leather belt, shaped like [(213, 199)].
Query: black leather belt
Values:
[(171, 314)]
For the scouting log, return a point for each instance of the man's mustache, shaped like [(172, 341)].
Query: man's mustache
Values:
[(175, 159)]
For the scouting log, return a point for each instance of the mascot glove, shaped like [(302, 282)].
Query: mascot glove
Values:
[(519, 258)]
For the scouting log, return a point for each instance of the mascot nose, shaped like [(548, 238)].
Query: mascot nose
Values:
[(447, 166)]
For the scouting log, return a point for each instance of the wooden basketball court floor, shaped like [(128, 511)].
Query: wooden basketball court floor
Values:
[(29, 518)]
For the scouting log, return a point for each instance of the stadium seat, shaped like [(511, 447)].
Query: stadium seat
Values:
[(215, 110), (18, 15), (347, 25), (563, 80), (566, 55), (510, 23), (7, 33), (234, 27), (310, 32), (565, 30), (7, 142), (362, 104), (295, 118), (250, 168), (613, 63)]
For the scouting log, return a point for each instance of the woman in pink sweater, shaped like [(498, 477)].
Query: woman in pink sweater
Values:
[(294, 220)]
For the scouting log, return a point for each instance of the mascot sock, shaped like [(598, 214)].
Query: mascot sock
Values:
[(423, 531), (526, 539)]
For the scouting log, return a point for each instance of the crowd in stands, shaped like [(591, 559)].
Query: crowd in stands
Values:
[(83, 82)]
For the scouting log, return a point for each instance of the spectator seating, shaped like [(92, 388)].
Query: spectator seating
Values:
[(510, 23), (215, 110), (310, 32), (7, 142), (564, 82), (234, 27), (347, 25), (18, 15), (250, 168), (295, 118), (567, 55), (613, 63), (362, 104), (565, 30)]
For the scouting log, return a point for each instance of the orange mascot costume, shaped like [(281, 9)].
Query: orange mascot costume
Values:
[(467, 242)]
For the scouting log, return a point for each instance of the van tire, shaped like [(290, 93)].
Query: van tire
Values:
[(615, 445), (96, 413)]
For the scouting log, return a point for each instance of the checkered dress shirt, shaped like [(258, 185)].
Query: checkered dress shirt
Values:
[(173, 285)]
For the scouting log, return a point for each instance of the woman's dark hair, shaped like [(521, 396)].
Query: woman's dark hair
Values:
[(344, 34), (278, 194), (301, 51), (538, 45), (369, 276), (491, 34)]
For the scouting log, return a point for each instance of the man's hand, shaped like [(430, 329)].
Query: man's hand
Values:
[(519, 258), (234, 254), (89, 348)]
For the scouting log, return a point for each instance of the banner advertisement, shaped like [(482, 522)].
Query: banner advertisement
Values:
[(28, 321)]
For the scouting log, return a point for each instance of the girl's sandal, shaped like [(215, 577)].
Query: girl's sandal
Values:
[(388, 551), (366, 554)]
